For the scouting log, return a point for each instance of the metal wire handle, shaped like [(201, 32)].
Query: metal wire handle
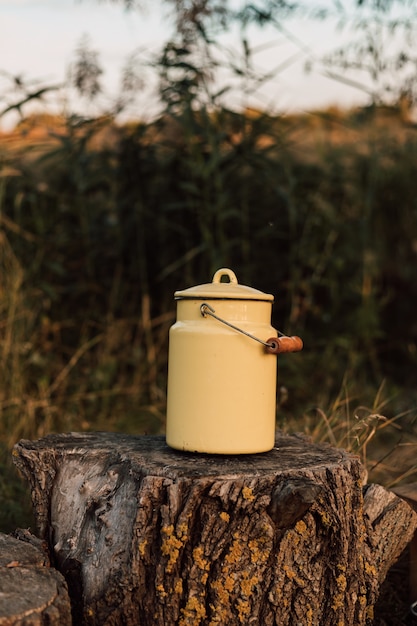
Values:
[(274, 345), (206, 309)]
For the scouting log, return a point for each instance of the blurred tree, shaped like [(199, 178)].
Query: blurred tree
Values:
[(85, 71), (376, 54)]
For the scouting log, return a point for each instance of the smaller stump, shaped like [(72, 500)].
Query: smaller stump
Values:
[(31, 593)]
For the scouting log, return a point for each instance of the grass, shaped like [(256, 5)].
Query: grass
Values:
[(101, 224), (381, 439)]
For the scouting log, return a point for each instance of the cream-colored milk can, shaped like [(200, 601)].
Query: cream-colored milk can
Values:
[(222, 371)]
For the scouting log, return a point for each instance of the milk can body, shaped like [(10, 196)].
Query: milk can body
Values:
[(221, 383)]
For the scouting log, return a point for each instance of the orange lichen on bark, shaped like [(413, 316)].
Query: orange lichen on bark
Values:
[(259, 550), (247, 493), (199, 559), (370, 569), (142, 547), (339, 598), (229, 583), (171, 546), (300, 527), (248, 583), (236, 549), (243, 610), (193, 612), (161, 591)]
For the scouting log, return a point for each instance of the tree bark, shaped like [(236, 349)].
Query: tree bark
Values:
[(148, 535), (31, 593)]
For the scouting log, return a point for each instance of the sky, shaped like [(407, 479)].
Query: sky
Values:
[(38, 39)]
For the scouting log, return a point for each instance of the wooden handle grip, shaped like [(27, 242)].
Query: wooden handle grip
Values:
[(284, 344)]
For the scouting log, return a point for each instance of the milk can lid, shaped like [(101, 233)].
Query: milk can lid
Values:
[(223, 290)]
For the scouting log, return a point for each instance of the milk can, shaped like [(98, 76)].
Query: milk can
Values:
[(222, 369)]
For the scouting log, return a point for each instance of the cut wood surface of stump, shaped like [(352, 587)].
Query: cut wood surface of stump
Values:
[(31, 593), (146, 535)]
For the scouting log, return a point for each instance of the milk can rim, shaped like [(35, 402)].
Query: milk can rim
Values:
[(178, 295), (223, 291)]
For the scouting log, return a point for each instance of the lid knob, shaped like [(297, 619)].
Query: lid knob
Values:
[(224, 271)]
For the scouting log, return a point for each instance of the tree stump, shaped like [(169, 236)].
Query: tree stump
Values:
[(146, 535), (31, 593)]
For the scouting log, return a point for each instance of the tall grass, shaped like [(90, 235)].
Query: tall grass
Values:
[(101, 223), (385, 445), (101, 228)]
